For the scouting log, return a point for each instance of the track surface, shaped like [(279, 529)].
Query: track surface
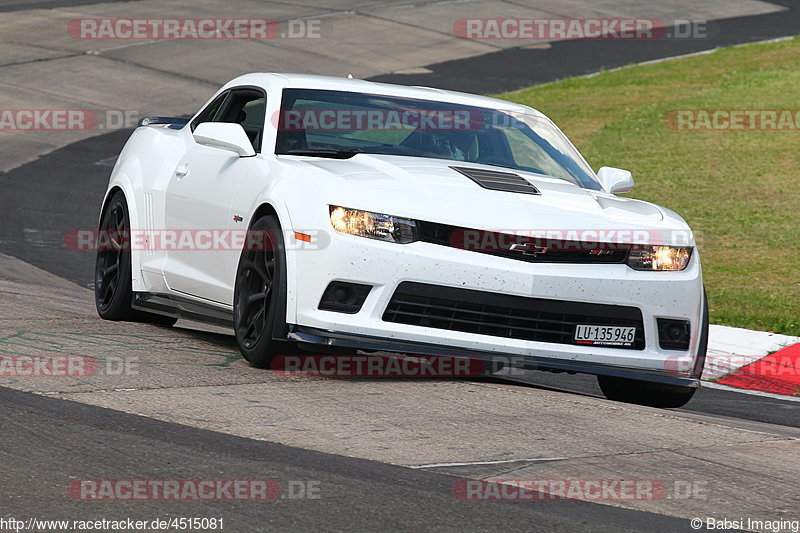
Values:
[(76, 441), (514, 68)]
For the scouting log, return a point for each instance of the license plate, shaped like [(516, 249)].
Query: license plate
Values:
[(604, 335)]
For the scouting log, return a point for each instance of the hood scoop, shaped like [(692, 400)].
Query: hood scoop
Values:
[(498, 181)]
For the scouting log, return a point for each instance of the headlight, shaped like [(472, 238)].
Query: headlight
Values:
[(373, 225), (660, 258)]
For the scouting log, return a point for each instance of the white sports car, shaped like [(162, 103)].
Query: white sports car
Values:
[(401, 219)]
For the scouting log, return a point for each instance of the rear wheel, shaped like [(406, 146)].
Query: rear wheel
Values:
[(112, 272), (260, 282)]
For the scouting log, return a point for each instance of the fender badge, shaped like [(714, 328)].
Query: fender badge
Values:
[(237, 218)]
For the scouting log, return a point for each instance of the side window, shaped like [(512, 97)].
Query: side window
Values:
[(246, 107), (208, 114)]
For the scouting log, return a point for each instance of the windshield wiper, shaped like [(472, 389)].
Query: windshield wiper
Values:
[(324, 152)]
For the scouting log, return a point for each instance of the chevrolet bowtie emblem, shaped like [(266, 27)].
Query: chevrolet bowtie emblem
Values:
[(528, 248)]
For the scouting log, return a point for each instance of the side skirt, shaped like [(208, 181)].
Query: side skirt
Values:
[(180, 307)]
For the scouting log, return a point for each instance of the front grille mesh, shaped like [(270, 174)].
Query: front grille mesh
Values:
[(502, 315), (543, 250)]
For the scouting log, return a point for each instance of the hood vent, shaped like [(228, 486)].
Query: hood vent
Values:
[(498, 181)]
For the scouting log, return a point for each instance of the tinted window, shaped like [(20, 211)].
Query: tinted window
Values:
[(247, 108), (312, 119), (208, 114)]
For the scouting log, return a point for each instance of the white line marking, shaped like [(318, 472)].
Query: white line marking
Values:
[(712, 385), (436, 465)]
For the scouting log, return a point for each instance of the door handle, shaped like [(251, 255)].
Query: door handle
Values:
[(182, 171)]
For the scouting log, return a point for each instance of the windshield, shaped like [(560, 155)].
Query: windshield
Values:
[(328, 122)]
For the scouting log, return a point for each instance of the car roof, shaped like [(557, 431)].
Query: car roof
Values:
[(333, 83)]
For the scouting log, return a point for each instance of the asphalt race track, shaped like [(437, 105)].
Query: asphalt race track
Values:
[(385, 453), (514, 68), (355, 494)]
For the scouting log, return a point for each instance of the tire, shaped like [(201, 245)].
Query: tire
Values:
[(657, 394), (644, 392), (259, 287), (112, 273)]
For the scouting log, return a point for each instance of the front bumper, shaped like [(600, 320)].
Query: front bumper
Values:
[(496, 362), (675, 295)]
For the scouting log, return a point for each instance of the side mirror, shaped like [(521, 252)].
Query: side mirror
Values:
[(615, 180), (225, 136)]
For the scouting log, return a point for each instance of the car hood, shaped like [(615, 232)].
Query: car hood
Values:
[(429, 189)]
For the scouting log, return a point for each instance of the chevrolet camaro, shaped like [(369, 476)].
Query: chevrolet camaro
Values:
[(307, 210)]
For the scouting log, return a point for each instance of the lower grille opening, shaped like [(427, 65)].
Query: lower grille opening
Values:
[(344, 297), (673, 334), (503, 315)]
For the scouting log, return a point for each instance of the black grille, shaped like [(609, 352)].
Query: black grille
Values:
[(503, 315), (498, 181), (521, 248)]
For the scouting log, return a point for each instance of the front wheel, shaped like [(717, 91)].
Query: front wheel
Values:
[(657, 394), (260, 283), (644, 392)]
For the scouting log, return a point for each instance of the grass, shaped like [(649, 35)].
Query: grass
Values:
[(739, 190)]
